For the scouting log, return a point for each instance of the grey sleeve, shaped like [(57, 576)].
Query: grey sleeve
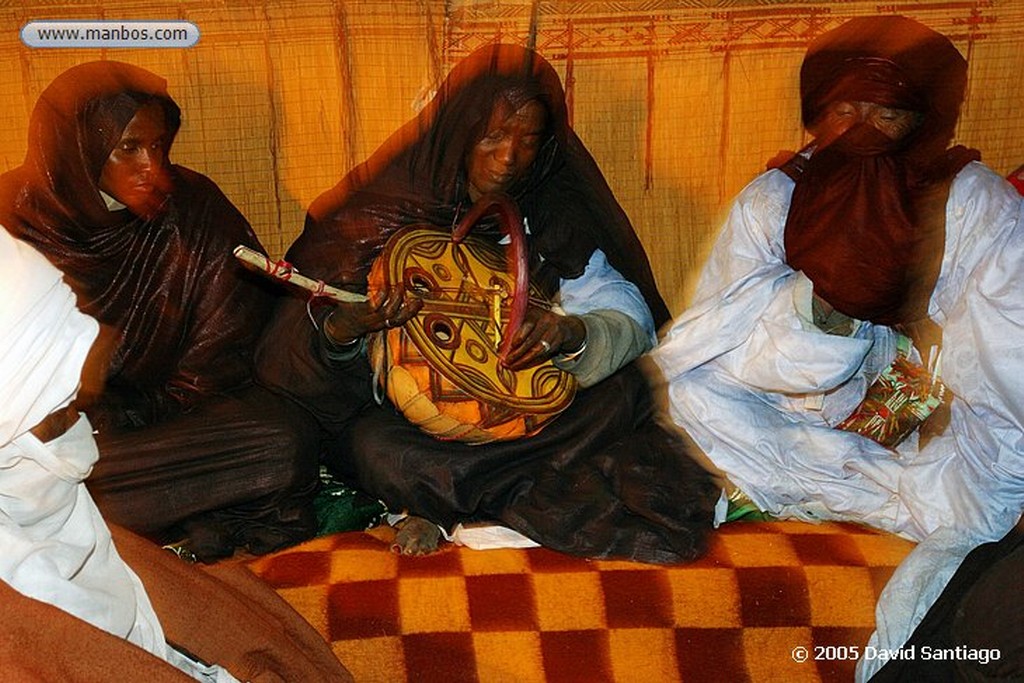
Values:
[(613, 340)]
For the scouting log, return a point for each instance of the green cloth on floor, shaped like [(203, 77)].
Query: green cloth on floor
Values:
[(743, 509), (747, 513), (339, 507)]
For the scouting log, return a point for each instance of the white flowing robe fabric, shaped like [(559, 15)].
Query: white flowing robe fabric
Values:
[(760, 390), (619, 324), (56, 547)]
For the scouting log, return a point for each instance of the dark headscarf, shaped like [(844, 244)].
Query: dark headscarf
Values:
[(419, 176), (867, 219), (74, 126), (166, 284)]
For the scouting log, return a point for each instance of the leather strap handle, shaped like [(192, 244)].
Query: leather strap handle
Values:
[(511, 222)]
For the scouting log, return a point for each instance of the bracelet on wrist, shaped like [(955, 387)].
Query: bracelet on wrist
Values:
[(573, 355), (331, 339), (345, 344)]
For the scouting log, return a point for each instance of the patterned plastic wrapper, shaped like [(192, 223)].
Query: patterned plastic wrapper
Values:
[(896, 404)]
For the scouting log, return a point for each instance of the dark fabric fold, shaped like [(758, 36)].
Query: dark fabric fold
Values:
[(605, 479), (973, 630)]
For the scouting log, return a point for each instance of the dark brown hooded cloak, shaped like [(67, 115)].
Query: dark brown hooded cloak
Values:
[(603, 479), (181, 430)]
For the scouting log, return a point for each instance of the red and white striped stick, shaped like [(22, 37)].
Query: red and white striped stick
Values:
[(283, 271)]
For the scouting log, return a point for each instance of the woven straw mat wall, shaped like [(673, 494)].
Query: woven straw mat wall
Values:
[(681, 102)]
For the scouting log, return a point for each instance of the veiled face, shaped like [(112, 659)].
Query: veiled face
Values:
[(507, 150), (839, 117), (135, 171)]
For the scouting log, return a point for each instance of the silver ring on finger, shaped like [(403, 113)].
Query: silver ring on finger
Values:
[(545, 345)]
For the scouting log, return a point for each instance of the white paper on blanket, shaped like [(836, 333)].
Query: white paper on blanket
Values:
[(489, 537)]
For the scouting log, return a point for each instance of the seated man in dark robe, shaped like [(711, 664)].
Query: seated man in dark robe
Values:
[(603, 479), (190, 447)]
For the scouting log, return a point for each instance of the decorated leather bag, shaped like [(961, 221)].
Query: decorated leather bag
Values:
[(442, 368)]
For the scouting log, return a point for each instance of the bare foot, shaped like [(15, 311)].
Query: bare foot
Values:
[(416, 536)]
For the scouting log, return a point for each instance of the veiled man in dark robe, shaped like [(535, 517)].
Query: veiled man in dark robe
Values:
[(603, 479), (189, 445)]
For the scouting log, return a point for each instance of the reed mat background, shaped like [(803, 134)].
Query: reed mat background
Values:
[(681, 101)]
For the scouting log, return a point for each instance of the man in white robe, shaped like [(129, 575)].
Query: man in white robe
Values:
[(57, 548), (766, 362)]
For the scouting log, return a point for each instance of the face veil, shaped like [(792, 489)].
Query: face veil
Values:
[(867, 218)]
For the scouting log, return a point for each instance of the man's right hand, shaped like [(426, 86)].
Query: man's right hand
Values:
[(347, 322)]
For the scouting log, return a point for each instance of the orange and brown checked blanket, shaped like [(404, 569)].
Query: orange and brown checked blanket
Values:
[(766, 595)]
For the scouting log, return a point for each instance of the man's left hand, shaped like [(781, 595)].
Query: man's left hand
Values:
[(543, 335)]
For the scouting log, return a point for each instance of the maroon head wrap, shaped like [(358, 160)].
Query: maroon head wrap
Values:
[(867, 219), (184, 311), (418, 176), (74, 125)]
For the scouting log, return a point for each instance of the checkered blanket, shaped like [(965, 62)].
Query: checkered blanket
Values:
[(767, 595)]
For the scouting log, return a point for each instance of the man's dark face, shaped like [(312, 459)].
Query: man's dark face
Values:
[(135, 173)]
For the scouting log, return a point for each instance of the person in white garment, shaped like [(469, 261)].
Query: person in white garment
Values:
[(877, 240), (59, 552)]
